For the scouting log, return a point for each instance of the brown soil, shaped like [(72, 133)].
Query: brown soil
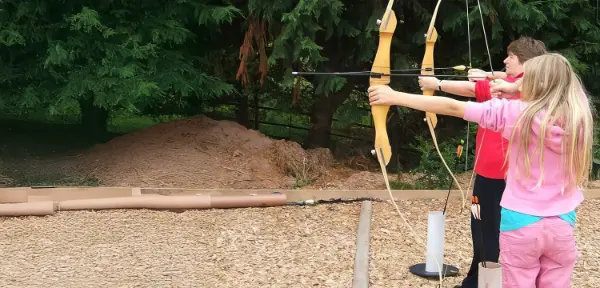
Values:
[(203, 153), (594, 184), (200, 152)]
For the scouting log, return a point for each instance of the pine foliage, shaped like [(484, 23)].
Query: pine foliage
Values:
[(120, 53), (156, 56), (569, 27)]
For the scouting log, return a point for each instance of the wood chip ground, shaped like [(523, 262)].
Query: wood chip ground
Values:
[(394, 248), (257, 247)]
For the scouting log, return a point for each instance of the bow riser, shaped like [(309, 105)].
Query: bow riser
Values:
[(427, 68), (381, 64)]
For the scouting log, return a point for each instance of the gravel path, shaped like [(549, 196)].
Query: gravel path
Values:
[(260, 247)]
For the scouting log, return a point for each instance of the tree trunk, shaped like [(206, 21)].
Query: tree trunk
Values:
[(94, 120), (256, 110), (322, 116), (242, 114)]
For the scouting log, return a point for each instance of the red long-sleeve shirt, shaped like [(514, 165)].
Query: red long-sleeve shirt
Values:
[(493, 146)]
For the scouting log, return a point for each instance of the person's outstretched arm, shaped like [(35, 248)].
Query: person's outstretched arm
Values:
[(500, 88), (495, 114), (461, 88), (475, 73), (384, 95), (476, 87)]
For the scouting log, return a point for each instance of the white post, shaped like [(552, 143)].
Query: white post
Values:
[(435, 241)]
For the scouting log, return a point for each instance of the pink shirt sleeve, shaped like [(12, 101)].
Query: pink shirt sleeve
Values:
[(496, 114)]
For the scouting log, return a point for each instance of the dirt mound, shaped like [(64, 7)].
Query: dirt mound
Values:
[(304, 165), (364, 180), (344, 178), (203, 153), (361, 162)]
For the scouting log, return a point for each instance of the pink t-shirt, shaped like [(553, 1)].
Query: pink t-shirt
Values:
[(523, 194)]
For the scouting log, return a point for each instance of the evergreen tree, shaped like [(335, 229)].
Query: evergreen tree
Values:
[(333, 35), (99, 56)]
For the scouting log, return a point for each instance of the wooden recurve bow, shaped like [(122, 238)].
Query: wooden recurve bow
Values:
[(380, 76), (427, 69), (381, 66)]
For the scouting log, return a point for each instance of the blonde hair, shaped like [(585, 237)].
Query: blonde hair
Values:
[(550, 86)]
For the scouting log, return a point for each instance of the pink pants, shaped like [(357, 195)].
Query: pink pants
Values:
[(539, 255)]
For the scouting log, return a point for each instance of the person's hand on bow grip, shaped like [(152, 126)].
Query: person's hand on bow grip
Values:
[(502, 89), (428, 83), (381, 95)]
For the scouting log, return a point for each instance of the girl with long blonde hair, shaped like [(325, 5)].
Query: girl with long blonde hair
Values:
[(550, 133)]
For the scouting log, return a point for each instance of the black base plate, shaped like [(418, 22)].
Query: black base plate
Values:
[(447, 271)]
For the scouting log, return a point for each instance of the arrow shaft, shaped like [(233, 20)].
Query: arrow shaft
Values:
[(377, 75)]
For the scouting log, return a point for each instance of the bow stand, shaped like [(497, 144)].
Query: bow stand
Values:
[(436, 219)]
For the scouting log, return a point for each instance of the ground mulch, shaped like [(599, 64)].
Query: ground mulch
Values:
[(394, 248), (288, 246), (253, 247)]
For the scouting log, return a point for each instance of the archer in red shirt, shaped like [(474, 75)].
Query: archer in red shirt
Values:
[(490, 146)]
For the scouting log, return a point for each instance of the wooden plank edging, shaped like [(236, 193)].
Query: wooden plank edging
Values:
[(308, 194), (361, 256), (73, 193)]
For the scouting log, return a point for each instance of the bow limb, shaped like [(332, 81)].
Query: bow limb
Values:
[(427, 68)]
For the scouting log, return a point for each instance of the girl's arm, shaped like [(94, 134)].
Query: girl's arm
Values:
[(499, 88), (433, 104), (493, 114)]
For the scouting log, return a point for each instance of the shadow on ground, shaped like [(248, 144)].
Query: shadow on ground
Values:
[(37, 154)]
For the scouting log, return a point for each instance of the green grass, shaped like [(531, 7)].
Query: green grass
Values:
[(123, 123), (38, 150)]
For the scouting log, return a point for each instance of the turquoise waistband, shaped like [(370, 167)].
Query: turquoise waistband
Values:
[(512, 220)]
